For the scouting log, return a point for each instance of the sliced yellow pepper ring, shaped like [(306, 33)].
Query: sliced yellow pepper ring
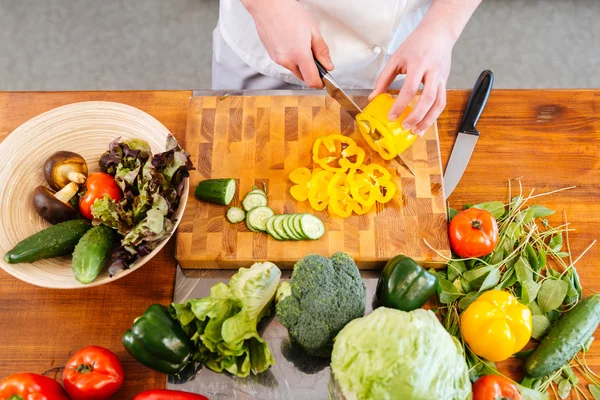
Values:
[(342, 205), (318, 195), (362, 208), (301, 177), (334, 153), (386, 137), (338, 186), (371, 183)]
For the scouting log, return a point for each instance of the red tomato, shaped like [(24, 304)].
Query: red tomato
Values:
[(93, 373), (164, 394), (29, 386), (492, 387), (473, 233), (98, 184)]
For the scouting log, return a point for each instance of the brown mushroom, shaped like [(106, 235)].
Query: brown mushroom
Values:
[(55, 207), (64, 167)]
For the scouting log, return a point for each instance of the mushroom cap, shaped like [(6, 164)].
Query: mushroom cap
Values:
[(50, 208), (58, 166)]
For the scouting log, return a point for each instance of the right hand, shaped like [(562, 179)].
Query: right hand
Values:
[(291, 37)]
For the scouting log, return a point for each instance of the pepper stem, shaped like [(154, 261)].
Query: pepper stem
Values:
[(476, 224), (84, 369)]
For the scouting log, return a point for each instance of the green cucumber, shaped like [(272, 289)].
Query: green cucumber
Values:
[(289, 229), (565, 338), (216, 191), (271, 229), (55, 241), (92, 252), (278, 227), (312, 227), (253, 200), (257, 218), (235, 215)]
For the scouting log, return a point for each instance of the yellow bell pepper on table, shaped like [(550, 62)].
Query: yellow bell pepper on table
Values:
[(386, 137), (496, 325)]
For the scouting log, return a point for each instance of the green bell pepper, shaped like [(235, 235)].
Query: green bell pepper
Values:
[(158, 341), (404, 285)]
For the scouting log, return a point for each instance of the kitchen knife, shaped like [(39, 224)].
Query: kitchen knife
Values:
[(467, 132), (346, 101)]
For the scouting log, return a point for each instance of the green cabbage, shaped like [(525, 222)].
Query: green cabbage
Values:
[(392, 354)]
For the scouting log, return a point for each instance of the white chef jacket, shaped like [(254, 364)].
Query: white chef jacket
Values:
[(361, 35)]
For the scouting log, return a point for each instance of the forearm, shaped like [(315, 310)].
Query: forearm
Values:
[(449, 15)]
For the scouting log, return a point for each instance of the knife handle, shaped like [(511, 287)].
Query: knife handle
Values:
[(322, 70), (477, 101)]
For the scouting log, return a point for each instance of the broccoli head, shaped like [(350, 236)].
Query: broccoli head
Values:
[(324, 294)]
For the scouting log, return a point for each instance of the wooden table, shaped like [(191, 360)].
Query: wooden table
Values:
[(549, 138)]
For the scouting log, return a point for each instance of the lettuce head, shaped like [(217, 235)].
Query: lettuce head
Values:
[(392, 354)]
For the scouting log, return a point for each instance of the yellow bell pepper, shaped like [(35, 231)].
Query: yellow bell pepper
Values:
[(375, 178), (496, 325), (386, 137), (302, 178), (318, 195), (337, 149)]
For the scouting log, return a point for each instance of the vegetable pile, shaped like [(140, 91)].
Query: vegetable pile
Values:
[(342, 184), (132, 201)]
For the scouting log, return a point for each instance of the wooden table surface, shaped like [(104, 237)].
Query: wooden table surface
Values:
[(549, 138)]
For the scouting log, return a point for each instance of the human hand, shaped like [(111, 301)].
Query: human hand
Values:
[(424, 57), (291, 37)]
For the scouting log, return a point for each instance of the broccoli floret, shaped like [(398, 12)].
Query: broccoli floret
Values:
[(323, 296)]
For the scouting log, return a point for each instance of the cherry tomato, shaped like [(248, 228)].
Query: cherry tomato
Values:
[(492, 387), (93, 373), (98, 184), (27, 386), (473, 233)]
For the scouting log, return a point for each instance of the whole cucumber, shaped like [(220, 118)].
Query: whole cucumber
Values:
[(55, 241), (216, 191), (92, 252), (565, 339)]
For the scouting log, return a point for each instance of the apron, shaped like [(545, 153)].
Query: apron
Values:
[(361, 35)]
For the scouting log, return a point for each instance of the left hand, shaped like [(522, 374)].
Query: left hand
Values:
[(425, 56)]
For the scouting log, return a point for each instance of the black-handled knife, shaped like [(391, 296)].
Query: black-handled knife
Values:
[(345, 100), (467, 132)]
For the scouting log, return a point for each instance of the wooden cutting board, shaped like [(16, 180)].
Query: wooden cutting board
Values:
[(260, 140)]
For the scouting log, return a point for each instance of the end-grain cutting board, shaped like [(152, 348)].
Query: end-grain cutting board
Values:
[(260, 140)]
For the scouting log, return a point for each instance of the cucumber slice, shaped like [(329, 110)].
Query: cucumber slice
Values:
[(235, 215), (312, 227), (217, 191), (278, 227), (271, 230), (289, 229), (297, 226), (253, 200), (257, 218)]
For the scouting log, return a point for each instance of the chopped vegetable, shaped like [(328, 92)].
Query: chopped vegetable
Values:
[(496, 325), (254, 199), (386, 137), (391, 352), (257, 218), (157, 341), (98, 186), (302, 178), (63, 168), (223, 325), (404, 285), (55, 241), (322, 297), (93, 373), (92, 253), (216, 191), (493, 387), (318, 193), (29, 386), (565, 338), (334, 153), (55, 207), (473, 233), (235, 215)]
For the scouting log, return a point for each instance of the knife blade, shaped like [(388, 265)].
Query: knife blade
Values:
[(346, 102), (467, 132)]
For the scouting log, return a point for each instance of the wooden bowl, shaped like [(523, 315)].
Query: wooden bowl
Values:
[(85, 128)]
